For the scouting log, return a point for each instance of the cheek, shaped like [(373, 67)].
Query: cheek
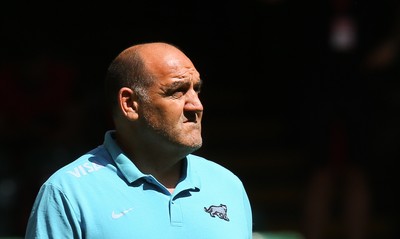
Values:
[(172, 116), (167, 115), (171, 111)]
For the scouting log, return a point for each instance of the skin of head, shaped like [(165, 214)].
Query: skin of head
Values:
[(154, 95)]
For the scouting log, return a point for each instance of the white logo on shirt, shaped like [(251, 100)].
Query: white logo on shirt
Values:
[(118, 215), (85, 169)]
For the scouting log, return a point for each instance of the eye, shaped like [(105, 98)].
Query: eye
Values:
[(178, 94)]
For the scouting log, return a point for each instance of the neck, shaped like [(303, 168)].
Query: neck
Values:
[(166, 175)]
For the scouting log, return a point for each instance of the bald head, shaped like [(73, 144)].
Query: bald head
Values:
[(137, 66), (156, 57)]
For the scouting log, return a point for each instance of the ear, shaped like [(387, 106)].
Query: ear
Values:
[(128, 103)]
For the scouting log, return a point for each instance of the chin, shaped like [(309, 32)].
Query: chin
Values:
[(194, 146)]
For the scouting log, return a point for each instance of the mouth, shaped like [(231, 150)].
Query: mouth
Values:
[(194, 123)]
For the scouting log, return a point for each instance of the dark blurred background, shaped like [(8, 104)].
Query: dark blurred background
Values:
[(302, 101)]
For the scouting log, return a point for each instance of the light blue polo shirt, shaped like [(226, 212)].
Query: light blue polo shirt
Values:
[(103, 194)]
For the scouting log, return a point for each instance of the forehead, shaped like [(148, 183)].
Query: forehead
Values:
[(168, 61)]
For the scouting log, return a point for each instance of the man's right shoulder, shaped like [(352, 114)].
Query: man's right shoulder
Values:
[(83, 168)]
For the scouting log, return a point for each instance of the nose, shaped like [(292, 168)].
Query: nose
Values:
[(193, 102)]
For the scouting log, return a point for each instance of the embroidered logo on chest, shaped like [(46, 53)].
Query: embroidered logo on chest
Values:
[(115, 215), (219, 211)]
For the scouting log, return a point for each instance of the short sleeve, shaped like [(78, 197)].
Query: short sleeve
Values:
[(52, 216)]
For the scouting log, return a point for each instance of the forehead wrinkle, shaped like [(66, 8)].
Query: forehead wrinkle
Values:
[(178, 82), (179, 71)]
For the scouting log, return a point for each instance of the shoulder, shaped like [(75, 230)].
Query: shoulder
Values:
[(84, 168)]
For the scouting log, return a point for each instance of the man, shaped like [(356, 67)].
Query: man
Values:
[(144, 181)]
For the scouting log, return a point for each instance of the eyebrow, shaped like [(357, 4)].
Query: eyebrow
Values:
[(178, 84)]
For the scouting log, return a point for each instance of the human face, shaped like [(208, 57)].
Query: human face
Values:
[(174, 111)]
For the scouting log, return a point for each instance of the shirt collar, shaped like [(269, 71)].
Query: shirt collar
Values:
[(124, 164), (189, 180)]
